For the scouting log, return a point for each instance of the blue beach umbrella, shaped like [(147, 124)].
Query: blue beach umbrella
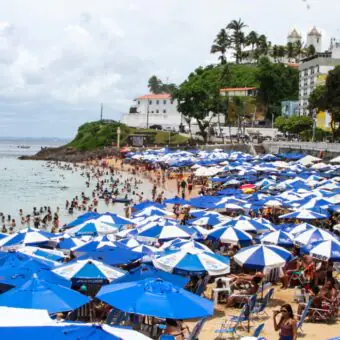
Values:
[(326, 250), (93, 228), (262, 256), (39, 294), (90, 271), (83, 218), (18, 275), (248, 225), (152, 211), (28, 236), (114, 219), (207, 220), (176, 200), (193, 261), (147, 204), (304, 215), (178, 244), (156, 297), (69, 242), (113, 256), (280, 238), (230, 235), (313, 235), (145, 271)]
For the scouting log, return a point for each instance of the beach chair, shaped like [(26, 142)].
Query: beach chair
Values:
[(196, 330), (231, 325), (258, 330), (304, 315), (167, 337), (325, 314), (260, 308)]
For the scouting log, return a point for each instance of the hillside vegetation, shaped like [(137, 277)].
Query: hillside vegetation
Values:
[(96, 135)]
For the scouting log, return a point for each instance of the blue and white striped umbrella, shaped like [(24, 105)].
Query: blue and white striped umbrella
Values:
[(28, 236), (165, 233), (127, 233), (298, 229), (128, 242), (313, 235), (152, 211), (69, 242), (230, 235), (262, 256), (91, 271), (93, 245), (181, 244), (145, 249), (248, 225), (280, 238), (114, 219), (93, 228), (193, 261), (326, 250), (305, 215), (207, 220)]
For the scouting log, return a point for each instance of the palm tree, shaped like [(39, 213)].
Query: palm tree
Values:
[(290, 51), (299, 50), (281, 52), (252, 40), (221, 44), (262, 45), (238, 38), (311, 51), (275, 52)]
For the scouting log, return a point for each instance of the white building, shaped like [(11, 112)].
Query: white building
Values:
[(314, 38), (293, 37), (313, 72), (153, 109)]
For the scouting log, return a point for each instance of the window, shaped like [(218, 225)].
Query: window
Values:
[(150, 102), (171, 101), (157, 111), (138, 102), (164, 102), (157, 102), (164, 111)]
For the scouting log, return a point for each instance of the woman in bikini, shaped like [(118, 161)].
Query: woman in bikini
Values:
[(287, 324)]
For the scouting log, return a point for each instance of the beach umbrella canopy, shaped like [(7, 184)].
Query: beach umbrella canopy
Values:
[(145, 271), (207, 220), (298, 229), (262, 256), (326, 250), (304, 215), (83, 218), (156, 297), (39, 294), (165, 233), (93, 246), (128, 242), (69, 242), (152, 211), (146, 249), (193, 261), (114, 219), (28, 236), (179, 244), (230, 235), (248, 225), (127, 233), (280, 238), (147, 204), (112, 256), (313, 235), (176, 200), (91, 271), (92, 228)]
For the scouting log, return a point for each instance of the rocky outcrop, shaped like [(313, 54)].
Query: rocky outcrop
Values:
[(69, 154)]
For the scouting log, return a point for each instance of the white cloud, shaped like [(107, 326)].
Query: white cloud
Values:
[(60, 59)]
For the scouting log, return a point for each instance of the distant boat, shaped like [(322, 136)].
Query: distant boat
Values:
[(24, 146)]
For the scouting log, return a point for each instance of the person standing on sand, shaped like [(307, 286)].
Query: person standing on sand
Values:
[(287, 324)]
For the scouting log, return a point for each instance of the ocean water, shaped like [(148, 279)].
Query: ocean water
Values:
[(25, 184)]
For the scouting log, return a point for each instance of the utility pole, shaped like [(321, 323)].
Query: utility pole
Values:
[(101, 111), (118, 137), (147, 114)]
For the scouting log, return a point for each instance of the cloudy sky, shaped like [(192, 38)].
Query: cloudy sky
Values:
[(60, 59)]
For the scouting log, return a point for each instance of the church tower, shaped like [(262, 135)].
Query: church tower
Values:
[(293, 37), (314, 38)]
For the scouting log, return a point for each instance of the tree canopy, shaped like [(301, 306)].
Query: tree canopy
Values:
[(156, 86), (328, 98), (294, 125)]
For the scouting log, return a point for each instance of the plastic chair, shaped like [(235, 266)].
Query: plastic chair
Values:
[(167, 337), (230, 326), (258, 330), (304, 315)]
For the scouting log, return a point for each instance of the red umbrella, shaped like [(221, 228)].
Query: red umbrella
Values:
[(247, 186)]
